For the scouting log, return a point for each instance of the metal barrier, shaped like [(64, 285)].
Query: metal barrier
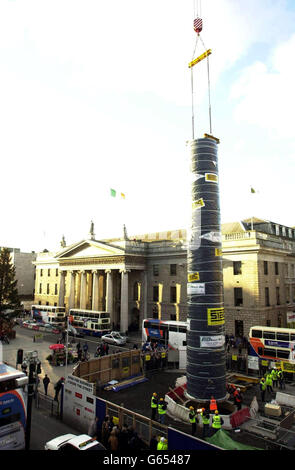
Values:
[(145, 427), (47, 403)]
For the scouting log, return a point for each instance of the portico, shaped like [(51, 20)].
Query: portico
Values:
[(98, 276)]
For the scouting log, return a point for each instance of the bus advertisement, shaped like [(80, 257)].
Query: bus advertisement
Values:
[(49, 314), (171, 334), (13, 408)]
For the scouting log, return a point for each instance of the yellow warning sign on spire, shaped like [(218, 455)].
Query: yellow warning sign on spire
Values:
[(201, 57)]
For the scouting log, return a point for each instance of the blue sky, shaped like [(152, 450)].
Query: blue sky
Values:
[(96, 95)]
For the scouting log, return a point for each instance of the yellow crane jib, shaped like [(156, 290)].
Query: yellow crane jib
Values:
[(201, 57)]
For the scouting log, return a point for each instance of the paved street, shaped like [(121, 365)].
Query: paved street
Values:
[(24, 340)]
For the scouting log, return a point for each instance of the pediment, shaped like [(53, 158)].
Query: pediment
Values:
[(89, 249)]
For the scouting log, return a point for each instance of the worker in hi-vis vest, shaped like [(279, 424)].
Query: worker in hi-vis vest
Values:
[(217, 422), (162, 407), (154, 405)]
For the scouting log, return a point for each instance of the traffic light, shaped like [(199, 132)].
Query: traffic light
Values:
[(20, 354)]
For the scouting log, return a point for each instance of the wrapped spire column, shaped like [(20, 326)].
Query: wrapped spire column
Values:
[(205, 336)]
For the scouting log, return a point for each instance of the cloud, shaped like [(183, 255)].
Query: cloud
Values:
[(264, 92)]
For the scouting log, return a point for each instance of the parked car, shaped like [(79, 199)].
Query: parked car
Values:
[(75, 333), (71, 442), (114, 338), (30, 324)]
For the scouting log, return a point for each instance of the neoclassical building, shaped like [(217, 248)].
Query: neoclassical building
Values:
[(146, 276), (116, 276)]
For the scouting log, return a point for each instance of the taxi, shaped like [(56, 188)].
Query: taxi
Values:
[(71, 442)]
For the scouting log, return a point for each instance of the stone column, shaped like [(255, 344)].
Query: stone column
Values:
[(160, 301), (178, 298), (143, 296), (95, 290), (61, 292), (109, 295), (124, 313), (72, 290), (83, 290)]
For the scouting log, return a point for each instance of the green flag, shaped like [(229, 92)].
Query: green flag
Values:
[(253, 191), (113, 193)]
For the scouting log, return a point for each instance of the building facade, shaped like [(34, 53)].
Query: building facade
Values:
[(146, 276), (24, 272)]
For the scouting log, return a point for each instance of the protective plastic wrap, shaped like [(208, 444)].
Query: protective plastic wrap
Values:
[(205, 335)]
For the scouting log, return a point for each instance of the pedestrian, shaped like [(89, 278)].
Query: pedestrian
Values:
[(135, 443), (281, 379), (238, 398), (162, 408), (113, 441), (58, 387), (106, 349), (217, 422), (85, 348), (46, 382), (193, 419), (105, 430), (154, 405), (123, 439), (205, 416), (92, 430), (79, 355), (262, 386), (162, 444), (153, 443)]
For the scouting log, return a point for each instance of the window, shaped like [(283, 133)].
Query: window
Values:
[(278, 295), (155, 269), (156, 293), (173, 328), (283, 354), (136, 291), (55, 289), (269, 335), (270, 352), (56, 272), (173, 318), (173, 294), (47, 289), (238, 295), (256, 334), (265, 265), (48, 272), (267, 304), (172, 269), (41, 272), (237, 265), (283, 336), (276, 268), (40, 288)]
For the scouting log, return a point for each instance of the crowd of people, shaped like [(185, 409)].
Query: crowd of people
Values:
[(118, 438), (271, 379)]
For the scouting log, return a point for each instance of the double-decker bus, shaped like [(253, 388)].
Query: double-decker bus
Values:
[(90, 322), (13, 408), (273, 344), (171, 334), (49, 314)]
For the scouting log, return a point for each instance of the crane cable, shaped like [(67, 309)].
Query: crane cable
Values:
[(197, 14)]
